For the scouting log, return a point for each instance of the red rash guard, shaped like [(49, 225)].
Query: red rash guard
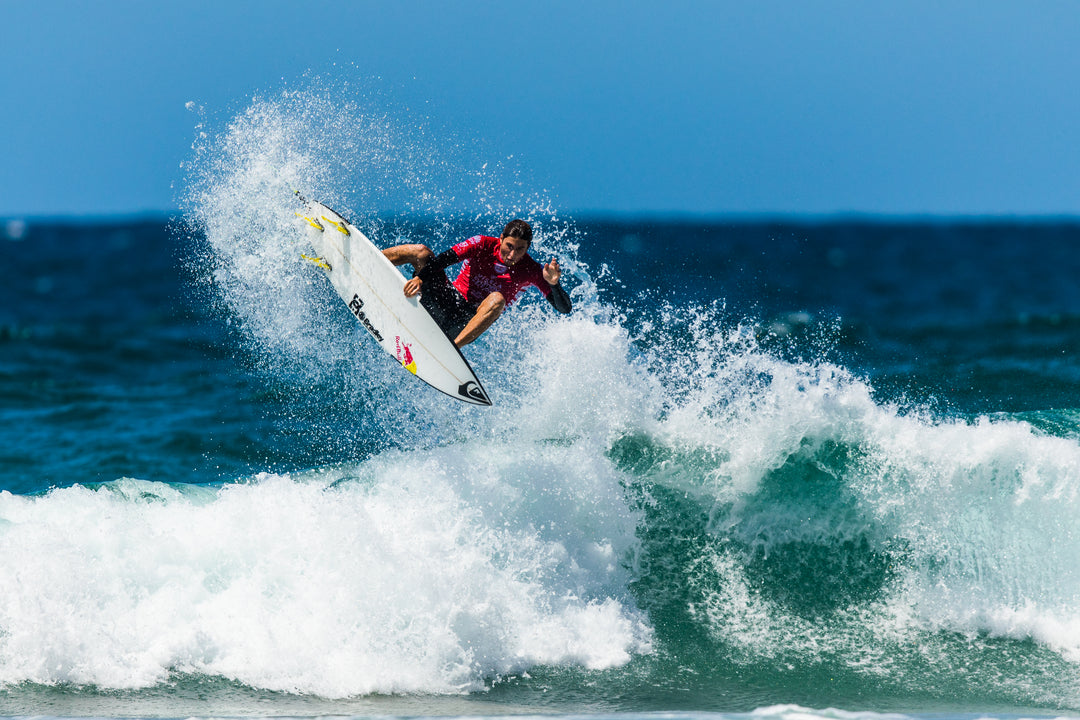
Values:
[(484, 272)]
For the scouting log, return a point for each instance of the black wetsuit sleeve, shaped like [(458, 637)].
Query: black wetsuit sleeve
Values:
[(438, 263), (445, 259), (559, 299)]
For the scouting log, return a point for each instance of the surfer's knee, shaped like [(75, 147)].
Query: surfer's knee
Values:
[(416, 255), (421, 257), (494, 303), (488, 312)]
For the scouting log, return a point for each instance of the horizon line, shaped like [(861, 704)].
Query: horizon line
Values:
[(615, 216)]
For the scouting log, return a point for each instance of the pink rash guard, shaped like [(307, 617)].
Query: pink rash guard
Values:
[(484, 272)]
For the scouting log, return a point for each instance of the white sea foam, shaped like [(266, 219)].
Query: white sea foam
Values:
[(434, 573)]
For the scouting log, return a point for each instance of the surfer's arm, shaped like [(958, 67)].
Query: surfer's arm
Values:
[(559, 299), (439, 263), (444, 259), (556, 295)]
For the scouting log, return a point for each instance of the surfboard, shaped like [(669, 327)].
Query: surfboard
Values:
[(373, 291)]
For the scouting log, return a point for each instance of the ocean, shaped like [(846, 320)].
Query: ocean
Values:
[(769, 468)]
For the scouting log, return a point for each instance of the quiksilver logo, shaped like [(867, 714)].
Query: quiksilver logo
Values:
[(472, 390)]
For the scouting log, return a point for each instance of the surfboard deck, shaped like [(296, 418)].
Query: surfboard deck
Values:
[(373, 290)]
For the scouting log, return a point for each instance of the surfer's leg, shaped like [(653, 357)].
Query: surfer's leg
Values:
[(415, 255), (488, 312)]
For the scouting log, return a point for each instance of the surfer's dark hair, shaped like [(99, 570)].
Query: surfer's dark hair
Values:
[(518, 229)]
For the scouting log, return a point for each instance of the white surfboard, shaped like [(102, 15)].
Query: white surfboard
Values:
[(372, 289)]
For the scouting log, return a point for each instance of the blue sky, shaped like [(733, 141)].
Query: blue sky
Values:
[(679, 106)]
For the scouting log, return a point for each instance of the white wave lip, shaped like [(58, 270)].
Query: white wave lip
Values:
[(397, 582)]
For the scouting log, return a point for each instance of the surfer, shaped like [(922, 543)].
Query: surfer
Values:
[(495, 271)]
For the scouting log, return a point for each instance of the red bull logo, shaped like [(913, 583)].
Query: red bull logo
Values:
[(404, 355)]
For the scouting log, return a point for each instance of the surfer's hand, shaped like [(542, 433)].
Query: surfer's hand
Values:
[(552, 273), (412, 287)]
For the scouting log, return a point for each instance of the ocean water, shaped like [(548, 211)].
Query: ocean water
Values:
[(812, 468)]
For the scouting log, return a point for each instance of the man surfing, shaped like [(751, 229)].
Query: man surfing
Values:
[(495, 271)]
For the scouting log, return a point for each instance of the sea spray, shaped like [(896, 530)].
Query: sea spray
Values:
[(340, 147)]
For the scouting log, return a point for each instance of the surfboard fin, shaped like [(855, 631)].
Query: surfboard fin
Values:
[(314, 223), (318, 261), (339, 225)]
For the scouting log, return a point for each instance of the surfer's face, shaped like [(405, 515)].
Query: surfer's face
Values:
[(512, 249)]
